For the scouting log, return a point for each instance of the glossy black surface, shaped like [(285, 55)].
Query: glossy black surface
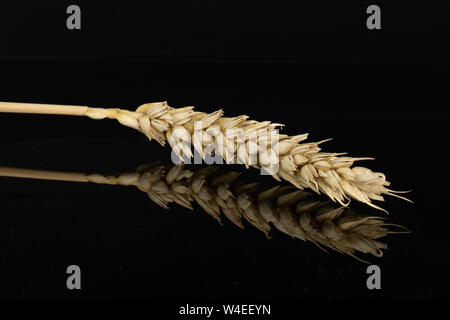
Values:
[(389, 105)]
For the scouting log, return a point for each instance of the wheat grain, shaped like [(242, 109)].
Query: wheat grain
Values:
[(298, 162), (297, 213)]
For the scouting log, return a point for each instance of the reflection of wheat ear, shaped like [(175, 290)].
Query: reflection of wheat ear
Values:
[(302, 164), (296, 213)]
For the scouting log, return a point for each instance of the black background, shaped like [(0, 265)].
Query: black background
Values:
[(312, 65)]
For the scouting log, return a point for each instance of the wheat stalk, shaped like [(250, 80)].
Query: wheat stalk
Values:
[(301, 163), (297, 213)]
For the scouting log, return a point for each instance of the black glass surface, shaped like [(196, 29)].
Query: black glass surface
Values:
[(381, 95)]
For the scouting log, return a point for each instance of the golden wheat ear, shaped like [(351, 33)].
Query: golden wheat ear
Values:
[(298, 162), (297, 213)]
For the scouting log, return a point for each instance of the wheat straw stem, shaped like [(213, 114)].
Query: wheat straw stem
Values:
[(15, 107)]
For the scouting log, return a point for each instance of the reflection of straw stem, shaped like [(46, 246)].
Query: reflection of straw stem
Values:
[(42, 174)]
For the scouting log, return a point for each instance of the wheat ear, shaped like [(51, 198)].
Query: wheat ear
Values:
[(297, 213), (302, 164)]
